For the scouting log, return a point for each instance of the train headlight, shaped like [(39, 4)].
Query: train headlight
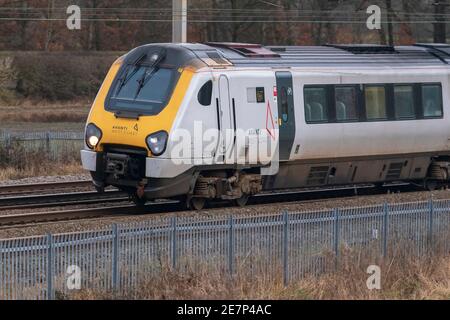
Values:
[(157, 142), (93, 135)]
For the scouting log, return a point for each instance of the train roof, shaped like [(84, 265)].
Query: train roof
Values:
[(255, 55)]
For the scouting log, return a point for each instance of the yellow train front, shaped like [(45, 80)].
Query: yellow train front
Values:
[(131, 117), (224, 121), (150, 97)]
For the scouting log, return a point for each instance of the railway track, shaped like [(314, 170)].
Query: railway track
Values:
[(41, 195), (60, 199), (24, 219), (21, 189), (168, 206)]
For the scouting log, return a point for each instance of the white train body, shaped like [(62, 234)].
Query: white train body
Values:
[(330, 116)]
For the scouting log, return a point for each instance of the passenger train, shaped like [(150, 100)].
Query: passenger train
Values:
[(323, 116)]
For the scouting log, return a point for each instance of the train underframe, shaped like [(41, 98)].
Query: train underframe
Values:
[(199, 185)]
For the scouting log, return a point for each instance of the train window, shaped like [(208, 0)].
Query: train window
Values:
[(375, 102), (404, 102), (205, 94), (345, 97), (260, 97), (284, 104), (256, 95), (316, 105), (142, 89), (432, 100)]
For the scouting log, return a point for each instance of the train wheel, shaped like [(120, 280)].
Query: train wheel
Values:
[(197, 203), (242, 201), (431, 185), (99, 189), (140, 202)]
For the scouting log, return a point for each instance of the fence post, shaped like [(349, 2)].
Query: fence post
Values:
[(115, 257), (230, 244), (285, 248), (47, 142), (50, 267), (174, 242), (385, 228), (8, 140), (430, 225), (336, 235)]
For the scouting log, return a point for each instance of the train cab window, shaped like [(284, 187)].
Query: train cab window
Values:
[(432, 100), (346, 102), (404, 102), (284, 104), (141, 89), (205, 94), (375, 102), (316, 106)]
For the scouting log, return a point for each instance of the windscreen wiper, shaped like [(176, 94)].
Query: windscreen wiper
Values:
[(155, 59), (144, 79), (125, 77)]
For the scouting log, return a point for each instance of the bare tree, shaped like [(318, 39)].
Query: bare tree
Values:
[(439, 30), (50, 31)]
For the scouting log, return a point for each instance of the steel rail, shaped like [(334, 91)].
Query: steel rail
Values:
[(60, 199), (47, 186), (169, 206), (63, 215)]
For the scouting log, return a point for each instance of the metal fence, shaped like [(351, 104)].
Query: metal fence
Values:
[(288, 245), (56, 145)]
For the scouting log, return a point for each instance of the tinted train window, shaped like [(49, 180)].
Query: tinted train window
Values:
[(432, 100), (141, 89), (375, 102), (205, 94), (316, 106), (346, 103), (404, 101), (284, 104), (155, 85), (256, 95)]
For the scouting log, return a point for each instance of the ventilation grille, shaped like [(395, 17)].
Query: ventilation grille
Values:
[(318, 175), (248, 50), (395, 170), (217, 58), (365, 48)]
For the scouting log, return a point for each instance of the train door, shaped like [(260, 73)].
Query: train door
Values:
[(286, 116), (226, 121)]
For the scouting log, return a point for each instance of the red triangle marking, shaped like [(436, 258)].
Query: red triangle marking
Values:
[(269, 111)]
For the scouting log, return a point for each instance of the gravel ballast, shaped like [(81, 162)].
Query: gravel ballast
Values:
[(311, 205), (45, 179)]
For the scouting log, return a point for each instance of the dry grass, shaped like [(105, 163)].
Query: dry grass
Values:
[(41, 111), (34, 170), (401, 278), (43, 116), (18, 162), (412, 279)]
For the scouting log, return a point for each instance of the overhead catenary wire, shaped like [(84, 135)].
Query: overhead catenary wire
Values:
[(219, 10), (217, 15), (226, 21)]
